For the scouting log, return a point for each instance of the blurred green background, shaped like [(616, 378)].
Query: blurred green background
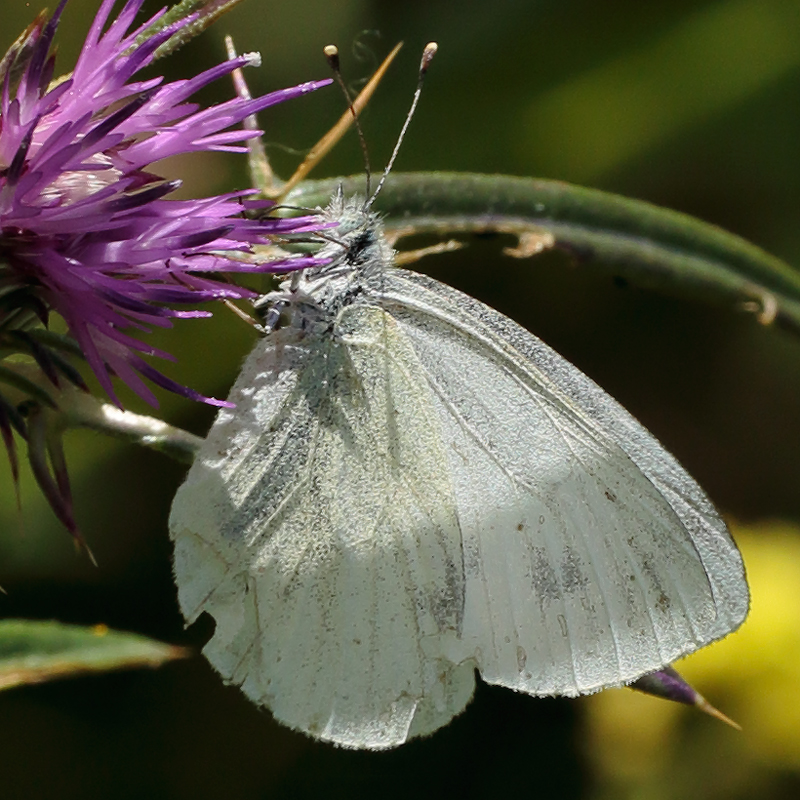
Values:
[(691, 105)]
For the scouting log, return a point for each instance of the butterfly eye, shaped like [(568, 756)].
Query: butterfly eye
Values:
[(273, 314)]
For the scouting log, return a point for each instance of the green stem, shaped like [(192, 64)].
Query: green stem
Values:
[(650, 246)]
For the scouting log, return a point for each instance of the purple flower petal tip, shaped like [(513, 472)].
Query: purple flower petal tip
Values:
[(669, 684)]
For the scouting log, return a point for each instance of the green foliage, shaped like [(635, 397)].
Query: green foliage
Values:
[(33, 652)]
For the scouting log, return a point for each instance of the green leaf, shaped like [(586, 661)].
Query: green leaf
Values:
[(650, 246), (33, 651)]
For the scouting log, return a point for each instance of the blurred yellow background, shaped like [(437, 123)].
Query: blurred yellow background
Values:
[(693, 105)]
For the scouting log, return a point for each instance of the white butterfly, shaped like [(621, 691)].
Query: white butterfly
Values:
[(412, 487)]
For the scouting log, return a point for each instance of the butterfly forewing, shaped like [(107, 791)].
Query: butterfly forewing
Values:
[(583, 567)]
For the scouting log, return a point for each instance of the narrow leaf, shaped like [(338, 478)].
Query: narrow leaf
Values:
[(7, 433), (57, 341), (12, 377), (206, 11), (26, 343), (34, 651), (55, 489)]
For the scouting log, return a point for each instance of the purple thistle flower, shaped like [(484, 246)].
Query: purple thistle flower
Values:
[(86, 230)]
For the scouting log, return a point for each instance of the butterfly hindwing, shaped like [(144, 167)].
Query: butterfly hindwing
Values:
[(340, 535)]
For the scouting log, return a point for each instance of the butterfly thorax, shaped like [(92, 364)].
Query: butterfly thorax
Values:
[(355, 250)]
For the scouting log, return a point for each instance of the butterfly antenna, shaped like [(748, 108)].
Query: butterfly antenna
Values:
[(326, 143), (427, 56), (332, 54)]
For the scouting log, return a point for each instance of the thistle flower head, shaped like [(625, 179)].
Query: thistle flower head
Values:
[(86, 228)]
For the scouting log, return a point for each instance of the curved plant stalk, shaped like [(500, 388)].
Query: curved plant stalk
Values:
[(73, 407), (650, 246), (82, 410)]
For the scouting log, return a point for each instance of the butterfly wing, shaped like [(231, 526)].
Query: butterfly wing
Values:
[(318, 527), (591, 557), (429, 489)]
